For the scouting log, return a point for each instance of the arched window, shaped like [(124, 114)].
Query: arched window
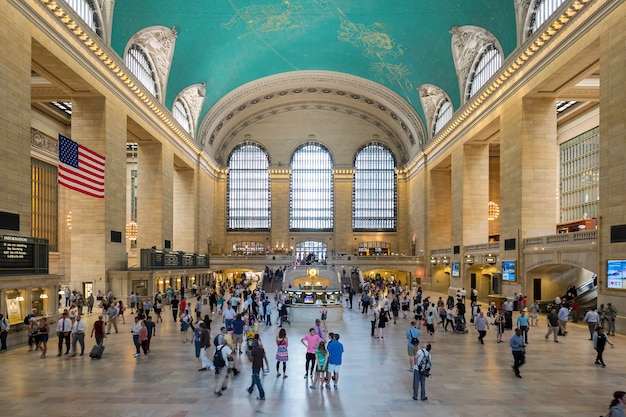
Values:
[(487, 64), (311, 251), (138, 63), (179, 110), (374, 190), (311, 189), (248, 197), (541, 11), (443, 116), (87, 10)]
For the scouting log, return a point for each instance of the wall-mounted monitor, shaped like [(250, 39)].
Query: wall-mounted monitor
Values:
[(308, 298), (616, 274), (508, 271), (455, 269)]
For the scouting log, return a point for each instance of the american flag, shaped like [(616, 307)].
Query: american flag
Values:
[(80, 168)]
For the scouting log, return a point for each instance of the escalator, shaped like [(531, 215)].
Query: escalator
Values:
[(587, 293)]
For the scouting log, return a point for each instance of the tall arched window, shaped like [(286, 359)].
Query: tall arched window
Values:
[(443, 116), (138, 63), (374, 190), (179, 110), (87, 10), (248, 197), (311, 189), (541, 11), (487, 64)]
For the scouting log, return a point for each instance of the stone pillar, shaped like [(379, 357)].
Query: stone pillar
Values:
[(155, 195), (612, 154), (342, 236), (279, 186), (100, 125), (184, 210), (15, 118), (440, 229), (528, 169), (470, 195)]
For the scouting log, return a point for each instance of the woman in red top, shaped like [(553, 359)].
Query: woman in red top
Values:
[(98, 329)]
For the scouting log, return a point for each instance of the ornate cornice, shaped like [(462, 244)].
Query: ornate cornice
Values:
[(44, 143)]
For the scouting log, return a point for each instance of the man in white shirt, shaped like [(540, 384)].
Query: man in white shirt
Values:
[(112, 314), (229, 316), (78, 335), (563, 316), (222, 379), (592, 318), (135, 331), (64, 329)]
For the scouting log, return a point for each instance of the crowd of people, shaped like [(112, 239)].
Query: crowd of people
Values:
[(243, 313)]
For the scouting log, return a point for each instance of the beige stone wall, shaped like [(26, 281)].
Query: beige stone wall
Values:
[(15, 68)]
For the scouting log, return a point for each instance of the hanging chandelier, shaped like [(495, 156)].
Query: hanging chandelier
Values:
[(131, 231), (493, 210)]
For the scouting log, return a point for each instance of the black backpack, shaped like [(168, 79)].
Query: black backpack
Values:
[(218, 359), (424, 365)]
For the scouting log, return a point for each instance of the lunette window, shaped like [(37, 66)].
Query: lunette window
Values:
[(138, 63), (487, 64)]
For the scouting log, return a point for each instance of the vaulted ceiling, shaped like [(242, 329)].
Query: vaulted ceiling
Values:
[(399, 44)]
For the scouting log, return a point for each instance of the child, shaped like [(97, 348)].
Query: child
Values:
[(321, 366)]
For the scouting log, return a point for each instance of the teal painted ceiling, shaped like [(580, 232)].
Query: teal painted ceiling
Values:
[(400, 44)]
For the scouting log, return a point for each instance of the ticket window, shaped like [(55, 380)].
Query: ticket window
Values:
[(40, 301)]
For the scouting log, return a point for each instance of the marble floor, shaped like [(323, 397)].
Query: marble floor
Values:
[(468, 379)]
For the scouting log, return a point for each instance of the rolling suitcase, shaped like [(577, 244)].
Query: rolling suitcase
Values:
[(96, 352)]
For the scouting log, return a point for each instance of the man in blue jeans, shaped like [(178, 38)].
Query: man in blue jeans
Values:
[(421, 371), (257, 356)]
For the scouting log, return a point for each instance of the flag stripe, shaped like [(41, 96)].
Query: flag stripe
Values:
[(80, 168)]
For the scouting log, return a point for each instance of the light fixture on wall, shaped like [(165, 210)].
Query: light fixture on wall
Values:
[(43, 295), (131, 231), (493, 210)]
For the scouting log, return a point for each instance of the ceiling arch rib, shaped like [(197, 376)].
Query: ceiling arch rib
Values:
[(324, 89)]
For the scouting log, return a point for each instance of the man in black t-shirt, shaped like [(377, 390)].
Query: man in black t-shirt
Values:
[(175, 303)]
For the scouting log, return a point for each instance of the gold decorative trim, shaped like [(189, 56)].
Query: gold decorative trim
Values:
[(118, 71)]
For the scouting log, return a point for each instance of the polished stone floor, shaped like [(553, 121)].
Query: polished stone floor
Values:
[(469, 379)]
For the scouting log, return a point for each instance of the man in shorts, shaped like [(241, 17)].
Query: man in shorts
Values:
[(335, 352), (413, 336)]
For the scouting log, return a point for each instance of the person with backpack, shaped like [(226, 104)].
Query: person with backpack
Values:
[(220, 359), (413, 336), (421, 371)]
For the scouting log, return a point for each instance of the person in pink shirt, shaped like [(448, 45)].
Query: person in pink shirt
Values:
[(310, 341)]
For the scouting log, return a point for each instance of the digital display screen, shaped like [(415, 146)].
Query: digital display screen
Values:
[(455, 269), (616, 274), (508, 271), (308, 299)]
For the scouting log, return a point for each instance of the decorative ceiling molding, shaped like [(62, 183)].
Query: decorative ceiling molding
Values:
[(158, 42), (193, 96), (317, 86), (431, 97), (467, 44)]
